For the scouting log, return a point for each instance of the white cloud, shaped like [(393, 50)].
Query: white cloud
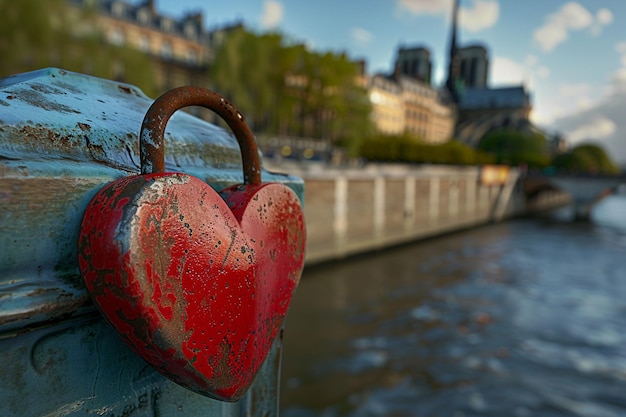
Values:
[(506, 71), (549, 36), (587, 110), (619, 78), (272, 13), (597, 116), (425, 6), (482, 14), (599, 127), (557, 99), (565, 99), (604, 16), (574, 16), (575, 90), (570, 17), (361, 36)]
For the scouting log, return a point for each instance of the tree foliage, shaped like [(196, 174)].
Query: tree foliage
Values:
[(586, 158), (36, 34), (511, 147), (249, 79), (405, 148), (287, 89)]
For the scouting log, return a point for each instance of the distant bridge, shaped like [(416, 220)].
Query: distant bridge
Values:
[(584, 189)]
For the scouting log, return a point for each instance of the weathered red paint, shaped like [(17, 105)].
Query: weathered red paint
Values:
[(195, 282)]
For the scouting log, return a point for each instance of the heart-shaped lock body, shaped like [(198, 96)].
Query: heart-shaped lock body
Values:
[(196, 282)]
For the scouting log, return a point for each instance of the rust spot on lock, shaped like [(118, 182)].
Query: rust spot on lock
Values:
[(124, 89)]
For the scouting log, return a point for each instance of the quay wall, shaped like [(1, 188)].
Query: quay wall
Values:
[(359, 210)]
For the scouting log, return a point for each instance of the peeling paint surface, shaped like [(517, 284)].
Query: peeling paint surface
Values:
[(63, 136), (196, 284)]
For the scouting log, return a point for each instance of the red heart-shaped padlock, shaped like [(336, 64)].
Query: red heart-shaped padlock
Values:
[(197, 283)]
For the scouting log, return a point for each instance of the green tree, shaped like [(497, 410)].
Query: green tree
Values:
[(287, 89), (331, 105), (586, 158), (247, 71), (41, 33), (514, 148), (405, 148)]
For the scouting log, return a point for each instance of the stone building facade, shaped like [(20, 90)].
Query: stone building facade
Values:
[(426, 114), (404, 104), (414, 62), (177, 47), (473, 66), (387, 105)]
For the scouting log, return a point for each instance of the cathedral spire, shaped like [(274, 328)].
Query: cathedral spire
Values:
[(453, 59)]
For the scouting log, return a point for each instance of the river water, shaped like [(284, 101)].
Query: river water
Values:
[(524, 318)]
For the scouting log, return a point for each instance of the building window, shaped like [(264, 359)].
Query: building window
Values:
[(190, 30), (144, 16), (144, 43), (166, 49), (117, 37), (192, 56), (166, 25), (118, 9)]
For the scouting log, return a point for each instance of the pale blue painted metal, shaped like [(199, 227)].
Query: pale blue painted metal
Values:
[(62, 136)]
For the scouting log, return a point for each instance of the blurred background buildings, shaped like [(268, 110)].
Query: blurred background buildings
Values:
[(301, 103)]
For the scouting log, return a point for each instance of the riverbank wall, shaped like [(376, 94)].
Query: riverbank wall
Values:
[(351, 211)]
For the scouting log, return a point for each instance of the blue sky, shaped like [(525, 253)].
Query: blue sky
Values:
[(570, 54)]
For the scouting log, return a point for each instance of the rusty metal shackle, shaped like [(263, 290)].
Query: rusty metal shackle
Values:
[(151, 143)]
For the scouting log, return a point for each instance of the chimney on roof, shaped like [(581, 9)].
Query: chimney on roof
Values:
[(195, 17)]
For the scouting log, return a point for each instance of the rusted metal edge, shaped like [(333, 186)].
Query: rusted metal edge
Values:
[(159, 113), (42, 315)]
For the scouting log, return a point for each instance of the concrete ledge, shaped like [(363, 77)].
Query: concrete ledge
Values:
[(360, 210)]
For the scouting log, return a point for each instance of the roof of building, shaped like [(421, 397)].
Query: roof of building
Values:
[(144, 13), (418, 47), (492, 98), (472, 131)]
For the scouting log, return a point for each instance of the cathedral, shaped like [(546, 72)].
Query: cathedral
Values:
[(481, 108)]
